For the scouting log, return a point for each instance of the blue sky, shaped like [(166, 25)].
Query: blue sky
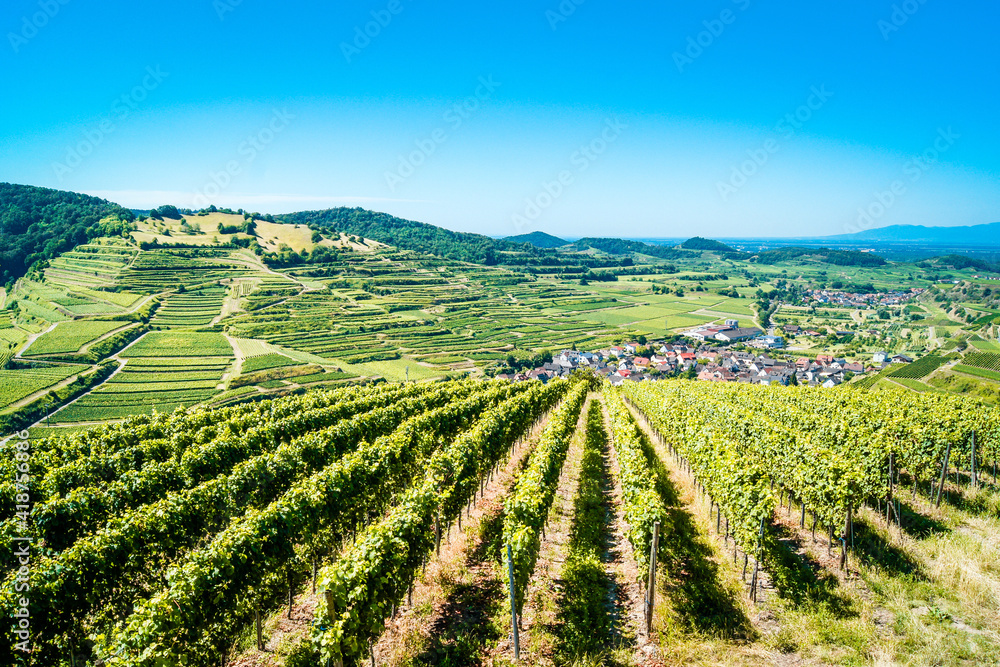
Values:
[(722, 118)]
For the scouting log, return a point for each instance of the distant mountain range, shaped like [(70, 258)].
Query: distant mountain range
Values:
[(977, 235)]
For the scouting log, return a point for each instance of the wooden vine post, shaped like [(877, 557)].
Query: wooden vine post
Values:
[(944, 471), (756, 562), (973, 462), (328, 595), (651, 585), (437, 534), (889, 492), (848, 529), (513, 604)]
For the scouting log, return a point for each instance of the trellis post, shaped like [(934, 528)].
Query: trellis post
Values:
[(944, 471), (513, 604), (651, 585), (973, 463)]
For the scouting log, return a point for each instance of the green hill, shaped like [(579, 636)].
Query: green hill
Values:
[(958, 262), (623, 247), (699, 243), (825, 255), (408, 234), (39, 223), (538, 239)]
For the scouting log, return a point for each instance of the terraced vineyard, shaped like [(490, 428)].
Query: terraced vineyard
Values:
[(986, 360), (920, 368), (68, 337), (16, 385), (91, 265), (190, 309), (146, 385), (346, 524)]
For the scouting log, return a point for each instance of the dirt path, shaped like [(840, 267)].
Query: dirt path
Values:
[(31, 339), (238, 360), (622, 566), (453, 602), (546, 581), (705, 588), (40, 422), (117, 355), (230, 305), (86, 348), (27, 400)]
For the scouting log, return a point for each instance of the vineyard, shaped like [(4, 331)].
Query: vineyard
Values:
[(920, 368), (985, 360), (190, 538)]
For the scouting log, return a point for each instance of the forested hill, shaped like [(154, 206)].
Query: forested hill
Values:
[(623, 247), (827, 255), (411, 235), (39, 223), (699, 243), (538, 239)]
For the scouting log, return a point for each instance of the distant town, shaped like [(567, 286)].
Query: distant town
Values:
[(709, 358), (862, 299)]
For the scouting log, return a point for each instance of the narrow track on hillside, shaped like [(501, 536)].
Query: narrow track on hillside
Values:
[(449, 618), (702, 586), (622, 566), (546, 582)]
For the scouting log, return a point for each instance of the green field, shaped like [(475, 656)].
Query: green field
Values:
[(145, 385), (915, 385), (68, 337), (252, 348), (984, 345), (375, 310), (190, 309), (394, 370), (986, 360), (978, 372), (180, 344), (920, 368), (267, 361), (16, 385)]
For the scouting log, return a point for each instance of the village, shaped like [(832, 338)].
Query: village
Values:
[(862, 299), (709, 356)]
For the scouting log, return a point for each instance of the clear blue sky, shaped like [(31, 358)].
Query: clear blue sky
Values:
[(283, 106)]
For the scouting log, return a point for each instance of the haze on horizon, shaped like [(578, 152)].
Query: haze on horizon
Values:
[(732, 118)]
